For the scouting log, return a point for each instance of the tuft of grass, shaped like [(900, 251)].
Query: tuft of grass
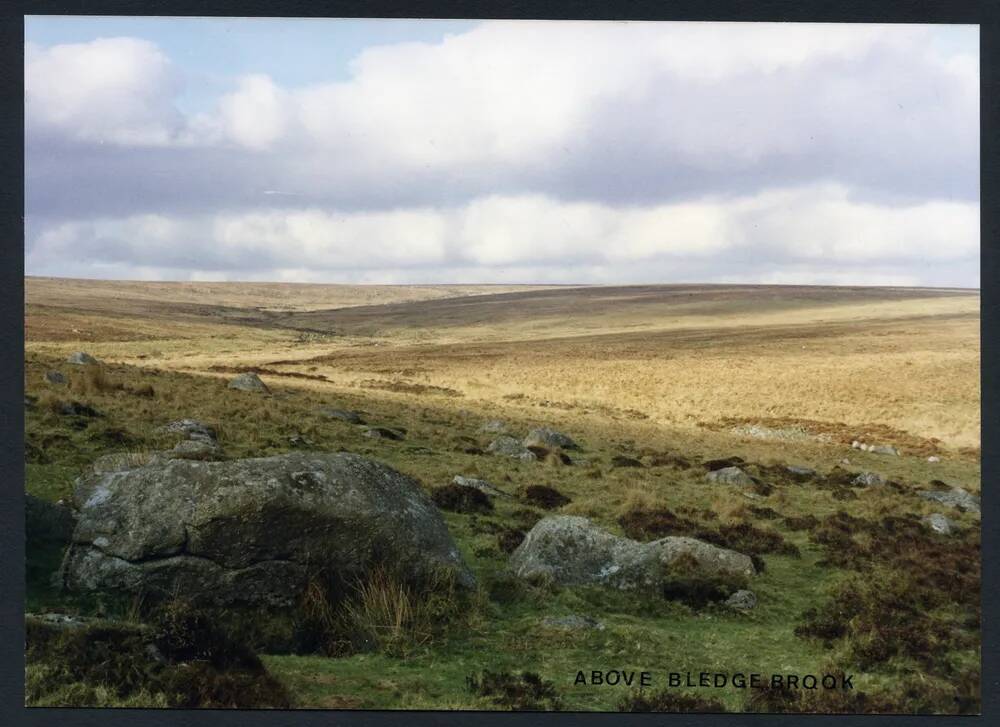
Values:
[(524, 691), (545, 497), (457, 498), (186, 663)]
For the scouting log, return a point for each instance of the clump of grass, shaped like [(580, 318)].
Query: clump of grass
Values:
[(509, 538), (806, 522), (457, 498), (743, 537), (545, 497), (685, 581), (669, 701), (888, 617), (385, 613), (912, 695), (92, 380), (185, 662), (525, 691)]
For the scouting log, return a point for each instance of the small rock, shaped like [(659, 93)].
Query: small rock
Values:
[(573, 623), (344, 415), (300, 440), (248, 382), (509, 447), (845, 461), (79, 358), (939, 524), (742, 600), (956, 497), (932, 459), (800, 473), (546, 437), (868, 479), (190, 428), (855, 444), (481, 485), (884, 449), (383, 433), (55, 377), (730, 476)]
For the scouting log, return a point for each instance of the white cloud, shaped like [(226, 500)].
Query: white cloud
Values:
[(802, 228), (255, 115), (117, 90), (604, 151)]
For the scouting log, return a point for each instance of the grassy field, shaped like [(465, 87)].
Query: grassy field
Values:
[(668, 375)]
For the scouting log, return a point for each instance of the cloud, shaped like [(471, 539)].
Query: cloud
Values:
[(801, 229), (111, 90), (600, 150)]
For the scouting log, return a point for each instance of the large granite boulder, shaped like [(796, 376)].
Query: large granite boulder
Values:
[(571, 551), (253, 530)]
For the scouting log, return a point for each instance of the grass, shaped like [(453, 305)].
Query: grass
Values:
[(667, 397)]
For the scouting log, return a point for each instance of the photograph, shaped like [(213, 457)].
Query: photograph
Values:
[(488, 365)]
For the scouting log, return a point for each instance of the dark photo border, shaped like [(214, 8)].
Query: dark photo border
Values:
[(985, 13)]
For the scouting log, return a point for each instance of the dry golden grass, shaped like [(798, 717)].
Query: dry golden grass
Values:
[(901, 364)]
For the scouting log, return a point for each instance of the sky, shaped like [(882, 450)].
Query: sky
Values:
[(423, 151)]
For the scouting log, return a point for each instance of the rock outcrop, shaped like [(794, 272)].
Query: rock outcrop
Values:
[(252, 531), (955, 497), (572, 551)]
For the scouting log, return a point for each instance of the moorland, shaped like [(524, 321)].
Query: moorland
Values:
[(851, 415)]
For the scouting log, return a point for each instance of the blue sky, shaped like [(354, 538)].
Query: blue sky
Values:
[(501, 151), (212, 51)]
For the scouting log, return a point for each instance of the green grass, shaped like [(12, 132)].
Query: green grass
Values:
[(641, 633)]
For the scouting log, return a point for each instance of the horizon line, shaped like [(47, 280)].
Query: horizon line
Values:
[(495, 284)]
